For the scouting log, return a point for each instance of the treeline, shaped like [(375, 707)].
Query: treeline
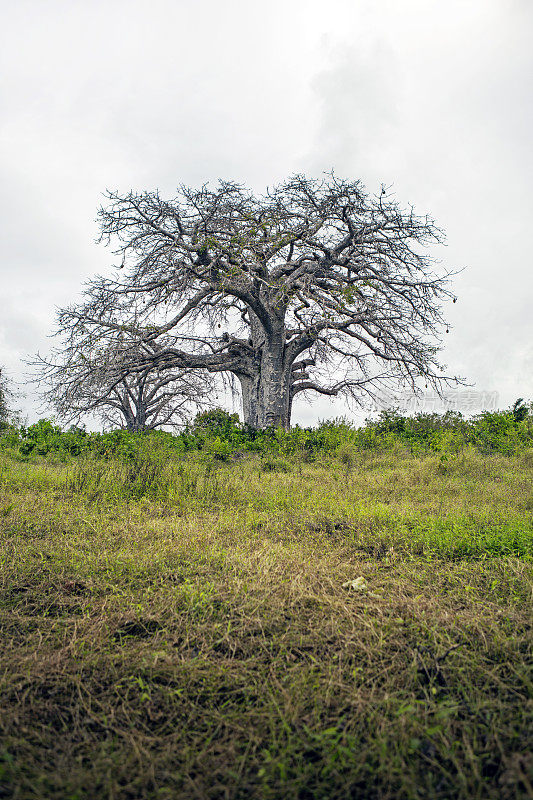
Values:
[(220, 435)]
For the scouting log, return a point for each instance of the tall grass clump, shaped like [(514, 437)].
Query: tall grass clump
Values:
[(148, 470), (135, 466)]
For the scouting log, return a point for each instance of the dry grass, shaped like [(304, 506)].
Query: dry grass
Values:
[(196, 640)]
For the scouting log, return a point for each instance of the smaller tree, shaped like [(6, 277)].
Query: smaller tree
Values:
[(103, 384), (5, 394), (520, 410)]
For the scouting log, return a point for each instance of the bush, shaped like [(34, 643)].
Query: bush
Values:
[(10, 437), (219, 434), (519, 410), (44, 437), (215, 422), (495, 431), (219, 449)]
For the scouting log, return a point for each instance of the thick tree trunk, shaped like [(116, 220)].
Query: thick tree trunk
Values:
[(134, 412), (266, 400), (266, 377), (250, 399), (274, 390), (266, 395), (135, 424)]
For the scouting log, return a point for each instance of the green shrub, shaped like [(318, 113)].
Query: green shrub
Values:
[(215, 422), (10, 437), (218, 434), (495, 431), (519, 410), (219, 449)]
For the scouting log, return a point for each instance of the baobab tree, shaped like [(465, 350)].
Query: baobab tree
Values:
[(314, 287), (76, 385)]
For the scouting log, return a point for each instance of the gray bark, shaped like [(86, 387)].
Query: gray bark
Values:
[(250, 399), (274, 385), (266, 394), (266, 388)]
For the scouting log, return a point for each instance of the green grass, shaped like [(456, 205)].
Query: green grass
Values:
[(184, 629)]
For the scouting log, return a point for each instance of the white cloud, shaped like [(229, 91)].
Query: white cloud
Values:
[(435, 98)]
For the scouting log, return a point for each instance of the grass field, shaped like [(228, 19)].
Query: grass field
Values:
[(349, 627)]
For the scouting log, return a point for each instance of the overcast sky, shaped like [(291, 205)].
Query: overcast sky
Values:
[(431, 97)]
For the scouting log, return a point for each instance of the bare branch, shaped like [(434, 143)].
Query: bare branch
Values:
[(315, 286)]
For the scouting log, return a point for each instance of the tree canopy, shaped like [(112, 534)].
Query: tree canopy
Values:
[(314, 287)]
